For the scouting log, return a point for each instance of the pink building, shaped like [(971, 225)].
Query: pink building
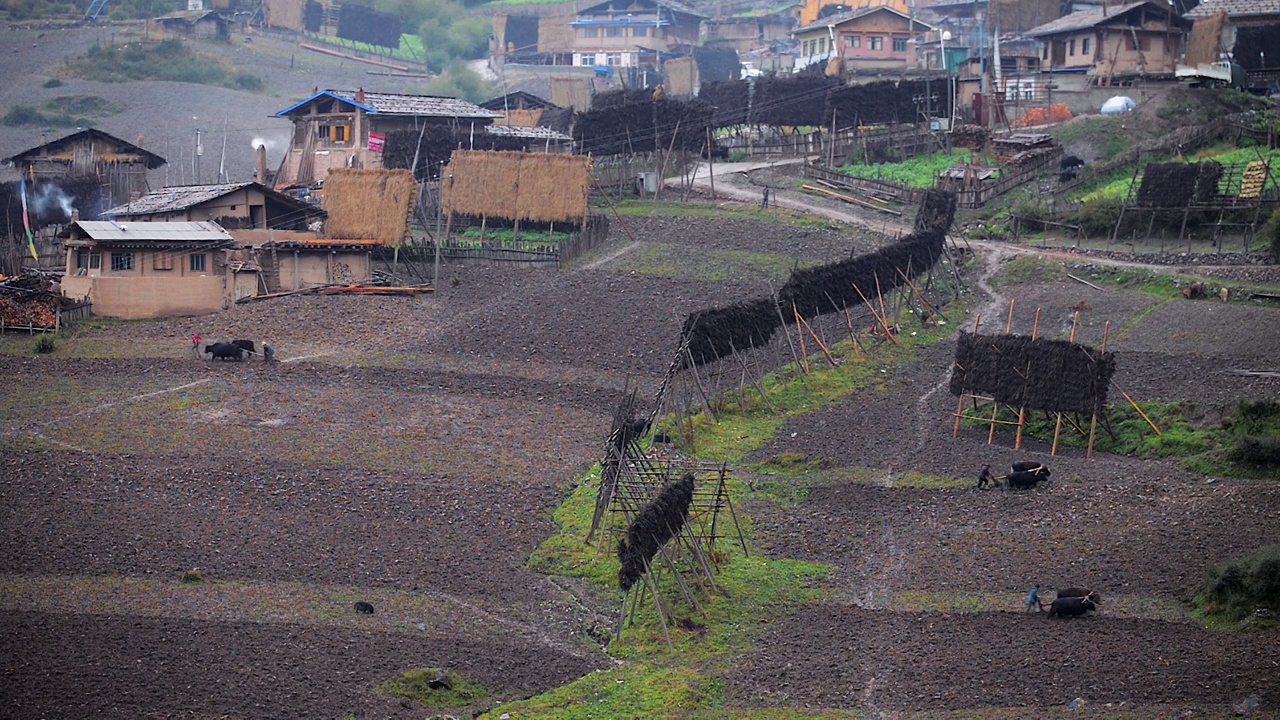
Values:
[(877, 38)]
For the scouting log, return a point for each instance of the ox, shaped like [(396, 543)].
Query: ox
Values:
[(1069, 607)]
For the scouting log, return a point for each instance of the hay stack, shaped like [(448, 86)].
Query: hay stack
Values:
[(536, 187), (368, 204)]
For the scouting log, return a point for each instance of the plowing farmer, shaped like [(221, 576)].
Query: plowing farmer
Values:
[(1033, 599)]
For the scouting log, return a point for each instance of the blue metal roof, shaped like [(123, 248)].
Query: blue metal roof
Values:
[(325, 93)]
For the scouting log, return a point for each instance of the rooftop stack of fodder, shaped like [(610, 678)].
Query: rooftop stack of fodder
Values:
[(1051, 375), (656, 524), (1168, 185), (717, 332)]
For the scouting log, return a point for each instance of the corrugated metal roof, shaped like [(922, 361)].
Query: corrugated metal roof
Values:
[(1081, 20), (108, 231), (533, 133), (1235, 8)]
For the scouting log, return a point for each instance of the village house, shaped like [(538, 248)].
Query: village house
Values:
[(150, 269), (634, 33), (208, 24), (1248, 31), (753, 29), (519, 108), (117, 167), (341, 129), (815, 10), (1109, 44), (292, 260), (870, 39), (231, 205)]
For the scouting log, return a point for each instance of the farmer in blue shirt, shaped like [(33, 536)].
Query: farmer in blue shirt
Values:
[(1033, 599)]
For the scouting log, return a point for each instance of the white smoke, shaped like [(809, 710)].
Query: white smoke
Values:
[(263, 142), (49, 197)]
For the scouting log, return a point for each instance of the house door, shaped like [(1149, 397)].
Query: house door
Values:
[(258, 216), (1058, 54)]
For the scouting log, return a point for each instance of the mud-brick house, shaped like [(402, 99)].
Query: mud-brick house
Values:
[(151, 269), (753, 29), (1113, 43), (869, 39), (341, 129), (232, 205), (519, 108), (1247, 29), (290, 260), (119, 167)]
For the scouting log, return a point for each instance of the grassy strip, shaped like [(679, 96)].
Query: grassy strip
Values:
[(410, 47), (416, 685), (653, 681), (167, 60), (662, 208)]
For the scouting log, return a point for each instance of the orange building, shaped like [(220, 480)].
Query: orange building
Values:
[(814, 8)]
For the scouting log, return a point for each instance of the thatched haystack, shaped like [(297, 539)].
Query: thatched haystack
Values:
[(369, 204), (1052, 375), (535, 187), (656, 524)]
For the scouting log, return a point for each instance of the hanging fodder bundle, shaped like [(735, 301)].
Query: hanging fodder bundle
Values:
[(831, 288), (1167, 185), (657, 523), (885, 102), (717, 63), (729, 100), (642, 123), (937, 211), (792, 101), (1207, 180), (718, 332), (1051, 375)]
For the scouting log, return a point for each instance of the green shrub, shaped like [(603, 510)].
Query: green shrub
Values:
[(45, 345), (1269, 234), (1244, 588)]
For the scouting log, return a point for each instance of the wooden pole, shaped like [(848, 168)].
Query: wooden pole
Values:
[(1057, 428), (804, 352), (1093, 424), (1022, 411), (711, 163), (818, 340), (995, 408), (919, 296), (853, 336), (879, 319), (1008, 326)]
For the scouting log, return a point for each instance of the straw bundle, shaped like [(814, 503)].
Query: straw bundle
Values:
[(1053, 375), (522, 118), (537, 187), (368, 204)]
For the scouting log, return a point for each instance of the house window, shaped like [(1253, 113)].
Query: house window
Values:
[(162, 261), (335, 133), (1071, 47), (1084, 46), (615, 32), (899, 45), (822, 45), (877, 43), (590, 32), (1044, 52), (640, 32), (121, 262), (588, 59), (613, 59), (86, 260), (855, 41), (197, 262)]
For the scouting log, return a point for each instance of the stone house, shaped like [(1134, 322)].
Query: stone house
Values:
[(1114, 43)]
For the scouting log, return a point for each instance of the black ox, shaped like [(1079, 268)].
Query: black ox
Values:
[(1026, 474), (1069, 607)]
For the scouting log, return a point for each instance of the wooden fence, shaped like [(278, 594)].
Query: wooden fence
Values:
[(593, 234), (901, 142), (974, 197)]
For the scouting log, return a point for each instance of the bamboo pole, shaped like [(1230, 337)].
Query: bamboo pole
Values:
[(991, 435), (920, 296), (1135, 407), (1008, 326), (853, 336)]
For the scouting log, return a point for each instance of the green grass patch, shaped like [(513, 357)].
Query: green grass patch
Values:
[(667, 260), (410, 47), (663, 208), (1026, 269), (166, 60), (416, 685), (506, 237), (1111, 135), (1243, 593), (919, 172), (26, 115), (91, 105), (1186, 432)]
